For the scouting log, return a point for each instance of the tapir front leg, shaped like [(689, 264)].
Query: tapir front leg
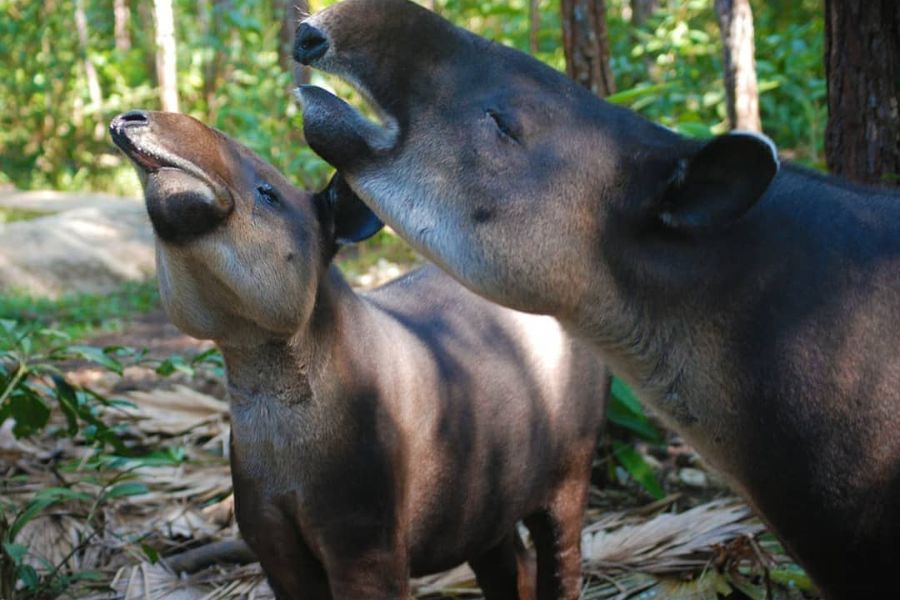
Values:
[(293, 571), (378, 574)]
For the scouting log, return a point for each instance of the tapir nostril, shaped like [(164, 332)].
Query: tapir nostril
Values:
[(134, 118), (129, 120), (310, 44)]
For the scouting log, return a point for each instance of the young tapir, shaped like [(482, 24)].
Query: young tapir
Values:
[(375, 436), (755, 305)]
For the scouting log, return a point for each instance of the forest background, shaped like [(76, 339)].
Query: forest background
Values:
[(821, 78), (69, 66)]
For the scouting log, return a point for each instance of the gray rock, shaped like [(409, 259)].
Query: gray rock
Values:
[(92, 244)]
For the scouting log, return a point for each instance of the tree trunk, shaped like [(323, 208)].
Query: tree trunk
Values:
[(742, 96), (122, 15), (642, 9), (534, 25), (211, 18), (586, 45), (292, 12), (862, 66), (148, 43), (90, 72), (166, 58)]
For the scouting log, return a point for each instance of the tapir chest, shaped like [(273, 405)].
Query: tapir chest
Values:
[(274, 444)]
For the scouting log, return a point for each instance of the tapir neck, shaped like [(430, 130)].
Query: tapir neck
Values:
[(285, 370)]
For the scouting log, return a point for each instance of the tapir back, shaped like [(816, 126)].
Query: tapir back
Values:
[(482, 389)]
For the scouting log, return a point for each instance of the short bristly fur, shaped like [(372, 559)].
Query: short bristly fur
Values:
[(375, 436), (755, 305)]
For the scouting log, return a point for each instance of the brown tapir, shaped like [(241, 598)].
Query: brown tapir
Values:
[(755, 305), (374, 436)]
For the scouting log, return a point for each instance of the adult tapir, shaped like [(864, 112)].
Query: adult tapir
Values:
[(375, 436), (755, 305)]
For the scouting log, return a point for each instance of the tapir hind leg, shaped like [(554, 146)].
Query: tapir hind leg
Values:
[(506, 571), (556, 532)]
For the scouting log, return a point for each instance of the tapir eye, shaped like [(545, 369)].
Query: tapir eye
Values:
[(504, 125), (267, 194)]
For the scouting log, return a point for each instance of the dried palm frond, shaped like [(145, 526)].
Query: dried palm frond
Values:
[(155, 582), (175, 411), (458, 582), (667, 543)]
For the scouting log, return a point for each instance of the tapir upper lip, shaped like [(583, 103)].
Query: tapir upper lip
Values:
[(141, 146)]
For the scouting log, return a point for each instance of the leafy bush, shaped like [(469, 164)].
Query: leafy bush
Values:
[(33, 387)]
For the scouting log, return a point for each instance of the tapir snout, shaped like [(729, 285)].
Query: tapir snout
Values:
[(184, 199)]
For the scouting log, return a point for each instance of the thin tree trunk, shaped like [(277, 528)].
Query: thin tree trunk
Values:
[(122, 15), (292, 12), (90, 71), (534, 25), (148, 49), (642, 9), (211, 16), (166, 58), (586, 45), (862, 66), (742, 95), (93, 81)]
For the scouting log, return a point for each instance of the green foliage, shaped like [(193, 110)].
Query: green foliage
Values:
[(78, 315), (33, 387), (626, 412), (11, 215), (231, 76), (19, 579), (52, 135), (671, 70), (31, 382), (628, 420)]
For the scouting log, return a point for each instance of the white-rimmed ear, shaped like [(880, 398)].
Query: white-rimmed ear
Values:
[(719, 183)]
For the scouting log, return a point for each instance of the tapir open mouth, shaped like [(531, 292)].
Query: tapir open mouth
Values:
[(146, 158), (339, 132), (137, 140), (314, 47)]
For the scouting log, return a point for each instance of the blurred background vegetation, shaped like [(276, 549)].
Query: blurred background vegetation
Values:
[(232, 73)]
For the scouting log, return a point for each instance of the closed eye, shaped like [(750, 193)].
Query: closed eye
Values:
[(503, 125), (267, 194)]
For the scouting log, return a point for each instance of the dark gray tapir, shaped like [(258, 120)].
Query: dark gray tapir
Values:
[(756, 306), (375, 436)]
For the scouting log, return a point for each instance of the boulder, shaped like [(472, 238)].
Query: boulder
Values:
[(85, 244)]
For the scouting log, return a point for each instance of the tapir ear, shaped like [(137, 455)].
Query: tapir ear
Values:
[(719, 183), (353, 220)]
